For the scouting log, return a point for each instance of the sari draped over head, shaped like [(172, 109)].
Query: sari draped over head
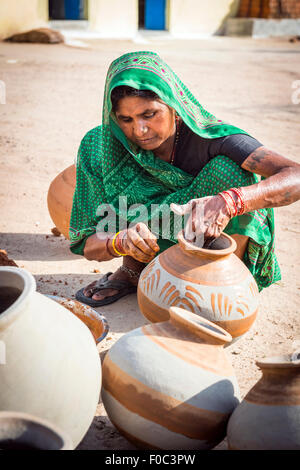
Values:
[(110, 169)]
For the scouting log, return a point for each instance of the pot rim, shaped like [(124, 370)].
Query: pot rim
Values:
[(37, 422), (279, 362), (29, 288), (193, 249), (199, 325)]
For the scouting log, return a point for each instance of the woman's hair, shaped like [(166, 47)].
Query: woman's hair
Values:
[(121, 91)]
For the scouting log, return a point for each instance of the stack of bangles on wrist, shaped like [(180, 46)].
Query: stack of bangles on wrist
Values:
[(234, 209), (117, 246)]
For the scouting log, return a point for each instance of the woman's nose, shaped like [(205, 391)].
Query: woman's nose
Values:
[(139, 129)]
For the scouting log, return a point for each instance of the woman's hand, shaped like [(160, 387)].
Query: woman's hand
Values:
[(208, 218), (138, 242)]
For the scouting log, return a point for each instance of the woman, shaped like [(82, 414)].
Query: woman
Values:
[(158, 147)]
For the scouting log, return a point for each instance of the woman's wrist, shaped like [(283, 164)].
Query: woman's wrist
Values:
[(117, 244), (234, 200), (109, 248)]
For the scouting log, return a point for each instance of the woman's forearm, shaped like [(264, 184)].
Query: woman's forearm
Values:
[(99, 248), (281, 186), (277, 190)]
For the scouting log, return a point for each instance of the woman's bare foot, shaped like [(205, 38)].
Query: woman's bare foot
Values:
[(119, 275)]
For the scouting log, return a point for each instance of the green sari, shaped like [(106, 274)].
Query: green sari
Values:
[(110, 166)]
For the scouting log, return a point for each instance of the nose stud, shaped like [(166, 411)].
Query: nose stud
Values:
[(144, 130)]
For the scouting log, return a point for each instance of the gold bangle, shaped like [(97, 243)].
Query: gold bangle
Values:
[(114, 247)]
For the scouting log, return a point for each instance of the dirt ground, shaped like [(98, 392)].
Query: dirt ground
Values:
[(54, 96)]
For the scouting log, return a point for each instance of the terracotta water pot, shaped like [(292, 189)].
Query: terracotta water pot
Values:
[(269, 416), (170, 385), (60, 199), (21, 431), (213, 283), (49, 362)]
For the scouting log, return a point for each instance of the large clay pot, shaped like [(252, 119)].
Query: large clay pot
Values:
[(213, 283), (170, 385), (60, 199), (52, 368), (21, 431), (269, 416)]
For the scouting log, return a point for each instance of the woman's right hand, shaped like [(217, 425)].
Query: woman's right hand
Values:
[(138, 242)]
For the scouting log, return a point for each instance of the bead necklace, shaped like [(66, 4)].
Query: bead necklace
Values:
[(177, 123)]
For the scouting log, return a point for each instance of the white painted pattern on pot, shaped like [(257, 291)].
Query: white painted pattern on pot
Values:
[(135, 352), (166, 290), (148, 431)]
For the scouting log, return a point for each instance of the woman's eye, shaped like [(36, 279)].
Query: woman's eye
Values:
[(149, 115)]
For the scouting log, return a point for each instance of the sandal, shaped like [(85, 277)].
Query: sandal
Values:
[(124, 288)]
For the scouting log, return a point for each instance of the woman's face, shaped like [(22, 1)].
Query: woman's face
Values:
[(147, 123)]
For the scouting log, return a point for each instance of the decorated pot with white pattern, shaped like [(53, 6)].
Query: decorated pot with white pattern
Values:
[(213, 283), (170, 385)]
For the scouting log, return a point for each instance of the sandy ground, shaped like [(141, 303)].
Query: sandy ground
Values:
[(54, 96)]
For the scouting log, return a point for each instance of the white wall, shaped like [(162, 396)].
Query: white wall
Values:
[(114, 18), (197, 17), (17, 16)]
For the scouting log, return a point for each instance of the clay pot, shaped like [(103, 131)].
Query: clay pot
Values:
[(21, 431), (213, 283), (60, 199), (269, 416), (95, 321), (49, 363), (170, 385)]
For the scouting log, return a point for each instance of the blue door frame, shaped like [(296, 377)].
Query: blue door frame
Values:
[(66, 9), (155, 14), (74, 9)]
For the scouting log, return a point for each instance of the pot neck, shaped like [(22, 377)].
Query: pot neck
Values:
[(280, 365), (22, 281), (221, 247), (203, 329)]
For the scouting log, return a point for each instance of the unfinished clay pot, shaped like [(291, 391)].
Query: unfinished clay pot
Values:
[(170, 385), (49, 362), (21, 431), (60, 199), (269, 416), (95, 321), (213, 283)]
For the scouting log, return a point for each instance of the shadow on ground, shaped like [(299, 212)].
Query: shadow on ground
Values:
[(36, 246), (66, 285)]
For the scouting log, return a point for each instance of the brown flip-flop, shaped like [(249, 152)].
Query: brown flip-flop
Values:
[(124, 288)]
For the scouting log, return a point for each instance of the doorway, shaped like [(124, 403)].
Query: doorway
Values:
[(68, 9), (152, 14)]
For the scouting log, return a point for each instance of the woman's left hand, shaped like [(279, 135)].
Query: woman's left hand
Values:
[(208, 217)]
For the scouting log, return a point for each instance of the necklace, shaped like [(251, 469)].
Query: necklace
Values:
[(177, 123)]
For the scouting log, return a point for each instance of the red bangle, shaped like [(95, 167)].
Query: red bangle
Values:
[(233, 202), (229, 200), (240, 195), (118, 244)]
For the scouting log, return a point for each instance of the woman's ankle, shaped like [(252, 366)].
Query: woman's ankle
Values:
[(133, 264)]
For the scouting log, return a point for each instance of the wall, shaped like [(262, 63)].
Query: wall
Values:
[(114, 18), (289, 9), (269, 9), (200, 17), (17, 16)]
